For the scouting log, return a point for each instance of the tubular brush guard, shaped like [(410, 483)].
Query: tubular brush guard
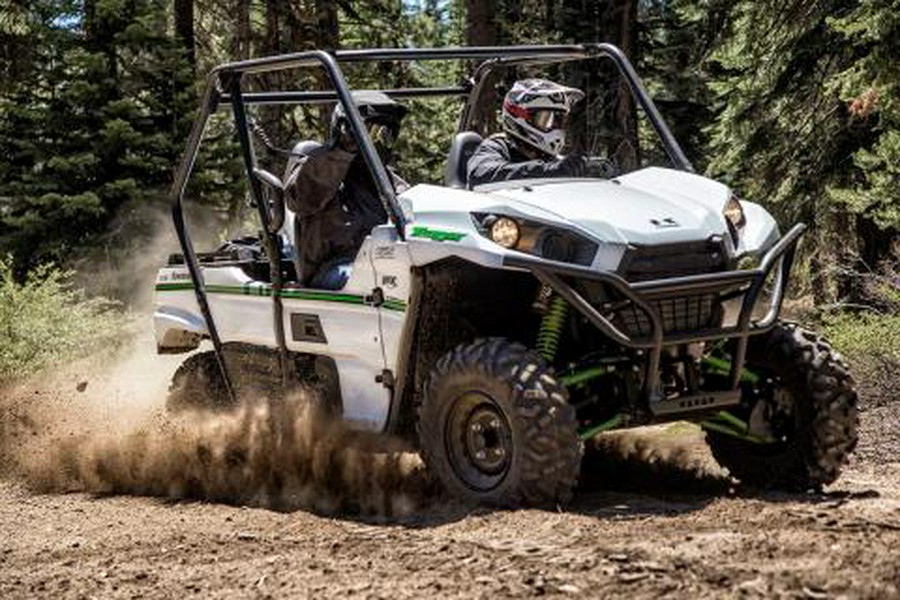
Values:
[(644, 295)]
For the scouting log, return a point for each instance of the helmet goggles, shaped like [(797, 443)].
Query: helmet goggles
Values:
[(548, 119)]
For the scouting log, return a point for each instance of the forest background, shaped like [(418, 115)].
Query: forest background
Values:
[(794, 103)]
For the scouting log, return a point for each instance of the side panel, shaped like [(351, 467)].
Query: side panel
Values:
[(392, 261), (341, 324)]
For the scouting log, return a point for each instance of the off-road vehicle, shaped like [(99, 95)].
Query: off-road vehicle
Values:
[(500, 327)]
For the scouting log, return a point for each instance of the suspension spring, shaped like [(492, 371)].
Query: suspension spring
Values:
[(551, 329)]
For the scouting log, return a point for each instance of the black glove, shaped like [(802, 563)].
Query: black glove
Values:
[(573, 165), (601, 167)]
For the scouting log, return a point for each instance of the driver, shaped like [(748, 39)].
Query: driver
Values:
[(334, 195), (534, 118)]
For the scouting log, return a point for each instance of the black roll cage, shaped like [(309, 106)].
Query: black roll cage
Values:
[(224, 86)]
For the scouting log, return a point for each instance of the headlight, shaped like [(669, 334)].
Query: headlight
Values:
[(734, 213), (538, 239), (505, 232)]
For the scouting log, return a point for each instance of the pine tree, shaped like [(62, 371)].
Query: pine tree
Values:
[(94, 124), (870, 89), (783, 133), (676, 38)]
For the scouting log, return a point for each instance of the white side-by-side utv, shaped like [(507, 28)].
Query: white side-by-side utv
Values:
[(501, 326)]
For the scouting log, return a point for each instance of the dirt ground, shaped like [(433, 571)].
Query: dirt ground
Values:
[(95, 502)]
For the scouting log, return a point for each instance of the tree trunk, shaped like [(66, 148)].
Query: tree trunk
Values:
[(876, 244), (327, 26), (89, 21), (240, 46), (314, 26), (623, 33), (184, 27), (272, 42), (876, 258), (482, 30)]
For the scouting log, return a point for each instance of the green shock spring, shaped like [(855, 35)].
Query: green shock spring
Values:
[(552, 328)]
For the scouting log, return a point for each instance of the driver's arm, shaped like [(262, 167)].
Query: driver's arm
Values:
[(492, 162)]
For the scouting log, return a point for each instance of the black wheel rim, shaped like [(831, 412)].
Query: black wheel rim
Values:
[(479, 441), (772, 404)]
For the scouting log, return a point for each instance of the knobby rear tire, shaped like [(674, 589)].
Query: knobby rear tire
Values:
[(198, 385)]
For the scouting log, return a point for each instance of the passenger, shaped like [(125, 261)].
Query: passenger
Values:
[(334, 196), (359, 193), (534, 118)]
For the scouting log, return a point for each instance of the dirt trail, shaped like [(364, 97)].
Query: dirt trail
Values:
[(655, 515)]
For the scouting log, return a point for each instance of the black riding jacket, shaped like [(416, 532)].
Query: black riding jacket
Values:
[(499, 159), (336, 203)]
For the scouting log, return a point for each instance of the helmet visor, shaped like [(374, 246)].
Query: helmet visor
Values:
[(546, 119)]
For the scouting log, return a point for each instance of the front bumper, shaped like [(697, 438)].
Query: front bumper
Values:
[(647, 298)]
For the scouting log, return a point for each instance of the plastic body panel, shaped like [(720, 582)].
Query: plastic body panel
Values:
[(243, 309)]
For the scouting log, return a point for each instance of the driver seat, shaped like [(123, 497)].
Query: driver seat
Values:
[(461, 150)]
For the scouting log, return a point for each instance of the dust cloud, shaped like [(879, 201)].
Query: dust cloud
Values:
[(98, 426), (247, 457), (113, 437), (666, 459)]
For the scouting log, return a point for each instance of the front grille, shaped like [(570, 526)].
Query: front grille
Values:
[(644, 263), (679, 315)]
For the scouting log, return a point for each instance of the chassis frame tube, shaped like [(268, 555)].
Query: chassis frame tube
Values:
[(780, 255), (207, 106), (271, 240), (492, 57), (324, 97)]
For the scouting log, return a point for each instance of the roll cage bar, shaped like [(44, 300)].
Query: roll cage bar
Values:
[(224, 86)]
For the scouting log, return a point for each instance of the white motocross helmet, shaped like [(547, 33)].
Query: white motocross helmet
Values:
[(535, 112)]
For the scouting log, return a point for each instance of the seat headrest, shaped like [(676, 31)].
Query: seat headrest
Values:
[(461, 149)]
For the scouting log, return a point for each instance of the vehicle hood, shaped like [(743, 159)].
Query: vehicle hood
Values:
[(648, 207), (651, 206)]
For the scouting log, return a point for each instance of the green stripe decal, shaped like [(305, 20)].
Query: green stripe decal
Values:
[(437, 235), (395, 305), (250, 289), (173, 287)]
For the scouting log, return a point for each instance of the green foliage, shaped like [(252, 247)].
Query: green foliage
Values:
[(871, 344), (807, 103), (430, 124), (677, 39), (427, 129), (793, 103), (865, 335), (44, 321)]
